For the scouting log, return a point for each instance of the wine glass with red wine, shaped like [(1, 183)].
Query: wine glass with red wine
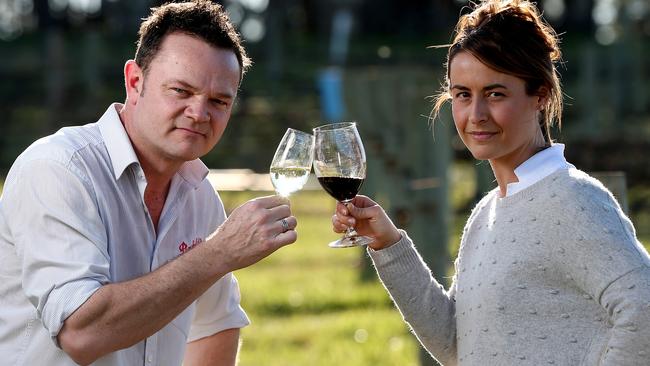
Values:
[(340, 166)]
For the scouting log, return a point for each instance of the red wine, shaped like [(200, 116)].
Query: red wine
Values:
[(341, 188)]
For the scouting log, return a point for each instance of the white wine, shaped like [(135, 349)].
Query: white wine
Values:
[(288, 180)]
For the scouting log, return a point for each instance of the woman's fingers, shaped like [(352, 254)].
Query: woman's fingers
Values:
[(338, 225)]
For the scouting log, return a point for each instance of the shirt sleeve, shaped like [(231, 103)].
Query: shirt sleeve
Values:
[(218, 309), (59, 238)]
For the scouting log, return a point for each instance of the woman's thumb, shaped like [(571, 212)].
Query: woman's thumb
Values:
[(361, 213)]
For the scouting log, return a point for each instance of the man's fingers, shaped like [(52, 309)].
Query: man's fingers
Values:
[(271, 201), (279, 212), (287, 223), (285, 238)]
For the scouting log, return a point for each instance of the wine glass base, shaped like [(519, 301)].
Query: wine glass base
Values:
[(351, 241)]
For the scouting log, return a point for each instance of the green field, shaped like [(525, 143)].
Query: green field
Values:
[(308, 305)]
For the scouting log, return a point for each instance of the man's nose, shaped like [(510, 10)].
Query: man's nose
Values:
[(198, 110)]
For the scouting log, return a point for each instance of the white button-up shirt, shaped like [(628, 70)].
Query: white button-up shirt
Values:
[(537, 167), (73, 218)]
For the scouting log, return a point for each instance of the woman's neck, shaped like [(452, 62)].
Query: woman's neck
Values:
[(504, 168)]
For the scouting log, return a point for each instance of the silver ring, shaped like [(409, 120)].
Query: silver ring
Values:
[(285, 224)]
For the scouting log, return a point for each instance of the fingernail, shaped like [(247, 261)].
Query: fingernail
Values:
[(345, 212), (351, 221)]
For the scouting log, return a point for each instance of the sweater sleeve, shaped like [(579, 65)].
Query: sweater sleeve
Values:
[(605, 260), (426, 307), (627, 301)]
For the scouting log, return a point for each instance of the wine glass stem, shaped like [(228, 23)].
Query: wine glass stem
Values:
[(349, 232)]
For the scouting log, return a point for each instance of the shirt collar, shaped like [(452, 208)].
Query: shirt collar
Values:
[(193, 172), (116, 140), (538, 167), (122, 155)]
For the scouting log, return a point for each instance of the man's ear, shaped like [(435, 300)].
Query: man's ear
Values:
[(134, 81)]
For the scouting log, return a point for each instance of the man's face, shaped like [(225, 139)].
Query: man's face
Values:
[(181, 106)]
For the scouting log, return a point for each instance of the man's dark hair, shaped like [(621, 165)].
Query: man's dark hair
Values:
[(201, 18)]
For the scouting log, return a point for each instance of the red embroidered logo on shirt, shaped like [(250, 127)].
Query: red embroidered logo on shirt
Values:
[(184, 247)]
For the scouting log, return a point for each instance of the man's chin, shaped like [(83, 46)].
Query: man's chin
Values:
[(187, 155)]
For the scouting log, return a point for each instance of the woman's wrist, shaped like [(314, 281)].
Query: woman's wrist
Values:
[(391, 239)]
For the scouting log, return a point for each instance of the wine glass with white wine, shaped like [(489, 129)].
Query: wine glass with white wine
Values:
[(340, 165), (292, 162)]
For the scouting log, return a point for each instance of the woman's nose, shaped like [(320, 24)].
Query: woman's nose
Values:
[(478, 111)]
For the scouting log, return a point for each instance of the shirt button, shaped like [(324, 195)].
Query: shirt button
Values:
[(150, 359)]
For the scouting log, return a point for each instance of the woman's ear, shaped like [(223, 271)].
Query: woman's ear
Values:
[(542, 97)]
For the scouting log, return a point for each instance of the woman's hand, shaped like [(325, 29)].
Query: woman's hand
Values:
[(368, 219)]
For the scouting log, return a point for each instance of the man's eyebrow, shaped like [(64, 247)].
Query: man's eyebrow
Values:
[(185, 84), (191, 87)]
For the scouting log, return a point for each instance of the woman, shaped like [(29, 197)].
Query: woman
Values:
[(549, 270)]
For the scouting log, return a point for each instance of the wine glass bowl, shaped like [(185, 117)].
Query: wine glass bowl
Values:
[(292, 162), (340, 166)]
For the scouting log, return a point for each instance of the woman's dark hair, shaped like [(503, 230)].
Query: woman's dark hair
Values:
[(512, 38)]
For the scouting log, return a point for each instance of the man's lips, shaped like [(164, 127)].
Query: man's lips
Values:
[(189, 130)]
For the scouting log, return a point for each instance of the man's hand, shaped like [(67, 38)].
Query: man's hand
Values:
[(253, 231)]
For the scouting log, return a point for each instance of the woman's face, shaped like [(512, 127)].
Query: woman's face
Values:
[(494, 116)]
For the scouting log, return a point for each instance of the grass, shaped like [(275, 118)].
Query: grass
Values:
[(308, 305)]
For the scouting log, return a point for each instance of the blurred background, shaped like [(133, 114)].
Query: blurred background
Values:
[(318, 61)]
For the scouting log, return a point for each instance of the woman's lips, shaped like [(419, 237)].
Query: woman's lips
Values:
[(482, 135)]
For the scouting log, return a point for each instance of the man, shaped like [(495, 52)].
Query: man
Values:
[(106, 252)]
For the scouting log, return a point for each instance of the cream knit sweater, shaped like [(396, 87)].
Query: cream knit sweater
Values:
[(552, 275)]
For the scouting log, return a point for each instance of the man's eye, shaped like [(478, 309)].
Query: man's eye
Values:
[(180, 91), (219, 102), (495, 94)]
